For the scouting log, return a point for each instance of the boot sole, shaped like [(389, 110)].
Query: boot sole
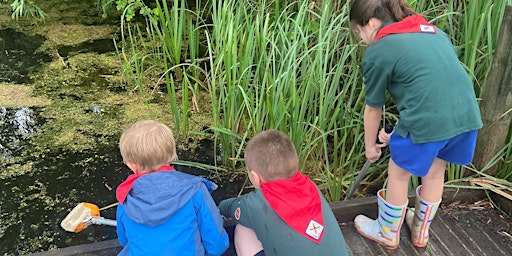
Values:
[(379, 242), (419, 245)]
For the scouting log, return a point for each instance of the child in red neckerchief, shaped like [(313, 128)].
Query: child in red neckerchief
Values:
[(415, 63), (287, 214), (162, 211)]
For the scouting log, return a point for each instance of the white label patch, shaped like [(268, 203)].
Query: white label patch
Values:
[(314, 229), (427, 29)]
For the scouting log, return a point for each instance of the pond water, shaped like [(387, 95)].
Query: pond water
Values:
[(19, 56), (60, 151), (33, 203)]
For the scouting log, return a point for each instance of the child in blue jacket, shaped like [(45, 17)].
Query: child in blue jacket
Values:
[(163, 211)]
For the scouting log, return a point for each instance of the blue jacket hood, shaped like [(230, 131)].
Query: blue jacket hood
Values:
[(155, 197)]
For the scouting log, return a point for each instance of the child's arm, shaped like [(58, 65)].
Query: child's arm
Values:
[(121, 235), (241, 208), (214, 236), (227, 207)]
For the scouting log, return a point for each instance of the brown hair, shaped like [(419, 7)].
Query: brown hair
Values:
[(361, 11), (149, 144), (272, 154)]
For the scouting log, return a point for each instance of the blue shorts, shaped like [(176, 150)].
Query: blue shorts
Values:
[(418, 158)]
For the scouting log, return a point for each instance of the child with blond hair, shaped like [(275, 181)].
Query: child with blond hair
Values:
[(162, 211)]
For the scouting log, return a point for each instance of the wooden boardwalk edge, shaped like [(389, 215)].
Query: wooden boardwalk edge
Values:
[(345, 211)]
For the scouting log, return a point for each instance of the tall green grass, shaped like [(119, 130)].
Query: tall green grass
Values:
[(287, 65), (289, 70), (162, 52), (473, 27)]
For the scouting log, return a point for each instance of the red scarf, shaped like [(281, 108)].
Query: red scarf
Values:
[(297, 201), (124, 188), (412, 24)]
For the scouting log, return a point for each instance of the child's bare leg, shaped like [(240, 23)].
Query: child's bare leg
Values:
[(428, 199), (246, 242), (433, 182), (392, 203), (398, 180)]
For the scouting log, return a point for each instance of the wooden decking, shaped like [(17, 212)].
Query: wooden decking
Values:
[(464, 225)]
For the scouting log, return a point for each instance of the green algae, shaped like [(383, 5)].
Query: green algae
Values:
[(13, 166), (16, 96), (82, 105)]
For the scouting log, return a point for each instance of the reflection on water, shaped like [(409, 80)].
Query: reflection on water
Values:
[(19, 56), (14, 125), (34, 199), (39, 185)]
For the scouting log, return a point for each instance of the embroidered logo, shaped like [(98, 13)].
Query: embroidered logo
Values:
[(237, 213), (427, 29), (314, 229)]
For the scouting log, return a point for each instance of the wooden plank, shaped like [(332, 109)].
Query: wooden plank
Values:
[(446, 238), (448, 234), (104, 248), (498, 89), (451, 233), (503, 203)]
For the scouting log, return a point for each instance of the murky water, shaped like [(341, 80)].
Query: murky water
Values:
[(19, 56), (39, 183), (33, 202)]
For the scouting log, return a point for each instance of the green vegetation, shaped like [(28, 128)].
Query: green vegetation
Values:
[(284, 65), (21, 8), (239, 67)]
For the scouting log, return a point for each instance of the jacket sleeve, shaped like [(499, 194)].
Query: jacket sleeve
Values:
[(121, 233), (242, 209), (227, 207), (214, 236)]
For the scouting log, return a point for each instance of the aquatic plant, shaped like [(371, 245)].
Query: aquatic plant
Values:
[(22, 8), (291, 66)]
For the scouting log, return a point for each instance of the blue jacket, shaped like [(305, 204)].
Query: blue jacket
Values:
[(170, 213)]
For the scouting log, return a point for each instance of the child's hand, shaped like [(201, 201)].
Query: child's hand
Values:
[(373, 153), (383, 138), (384, 135)]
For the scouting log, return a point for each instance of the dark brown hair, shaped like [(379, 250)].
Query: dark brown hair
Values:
[(361, 11), (272, 154)]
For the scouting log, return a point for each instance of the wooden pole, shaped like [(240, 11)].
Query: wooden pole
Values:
[(496, 104)]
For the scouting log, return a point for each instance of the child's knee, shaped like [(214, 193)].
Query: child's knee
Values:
[(246, 241)]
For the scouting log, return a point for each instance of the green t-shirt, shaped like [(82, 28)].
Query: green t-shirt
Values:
[(277, 238), (432, 91)]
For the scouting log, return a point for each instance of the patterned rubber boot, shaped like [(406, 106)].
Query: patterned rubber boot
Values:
[(385, 230), (419, 218)]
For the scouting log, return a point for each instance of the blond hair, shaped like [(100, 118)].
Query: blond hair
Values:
[(148, 144), (272, 154)]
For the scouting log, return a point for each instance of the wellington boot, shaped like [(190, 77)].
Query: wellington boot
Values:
[(419, 218), (385, 230)]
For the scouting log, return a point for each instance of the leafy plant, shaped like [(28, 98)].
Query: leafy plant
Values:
[(291, 66), (21, 8)]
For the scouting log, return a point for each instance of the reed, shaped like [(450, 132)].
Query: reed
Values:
[(295, 75), (473, 27), (291, 66), (154, 54)]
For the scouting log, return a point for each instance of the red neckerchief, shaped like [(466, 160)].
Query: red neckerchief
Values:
[(297, 201), (412, 24), (124, 188)]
